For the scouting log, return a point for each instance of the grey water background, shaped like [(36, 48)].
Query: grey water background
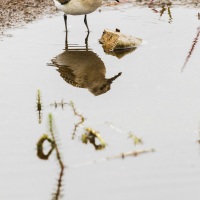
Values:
[(154, 98)]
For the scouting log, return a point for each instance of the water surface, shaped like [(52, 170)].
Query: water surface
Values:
[(153, 97)]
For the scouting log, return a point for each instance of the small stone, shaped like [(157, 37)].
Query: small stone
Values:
[(114, 40)]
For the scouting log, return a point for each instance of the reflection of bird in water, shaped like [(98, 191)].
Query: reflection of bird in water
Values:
[(84, 69), (77, 7)]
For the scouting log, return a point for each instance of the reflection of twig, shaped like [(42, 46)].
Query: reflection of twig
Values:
[(169, 13), (39, 106), (192, 49), (57, 195), (120, 156), (131, 153), (61, 104), (82, 119), (165, 6), (162, 11)]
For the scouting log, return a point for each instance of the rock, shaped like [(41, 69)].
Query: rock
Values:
[(114, 40)]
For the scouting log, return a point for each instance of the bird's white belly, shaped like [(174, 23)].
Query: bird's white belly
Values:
[(78, 7)]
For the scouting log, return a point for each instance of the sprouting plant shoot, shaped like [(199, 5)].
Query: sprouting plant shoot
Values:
[(136, 140), (39, 106)]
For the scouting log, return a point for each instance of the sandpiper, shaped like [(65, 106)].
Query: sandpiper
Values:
[(78, 7)]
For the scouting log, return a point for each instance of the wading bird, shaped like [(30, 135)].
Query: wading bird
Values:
[(78, 7)]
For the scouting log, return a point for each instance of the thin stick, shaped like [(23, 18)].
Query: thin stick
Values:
[(192, 49), (82, 119), (120, 156), (57, 194)]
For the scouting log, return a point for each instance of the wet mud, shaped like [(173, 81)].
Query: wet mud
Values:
[(19, 12)]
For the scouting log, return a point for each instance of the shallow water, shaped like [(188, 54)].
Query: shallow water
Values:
[(155, 98)]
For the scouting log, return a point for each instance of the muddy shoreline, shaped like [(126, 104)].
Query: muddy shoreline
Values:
[(20, 12)]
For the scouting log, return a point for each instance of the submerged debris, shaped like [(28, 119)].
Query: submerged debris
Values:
[(114, 40), (91, 136), (40, 149)]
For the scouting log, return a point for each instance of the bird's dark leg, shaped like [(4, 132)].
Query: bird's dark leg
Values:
[(85, 21), (86, 40), (65, 20), (66, 41), (66, 36)]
